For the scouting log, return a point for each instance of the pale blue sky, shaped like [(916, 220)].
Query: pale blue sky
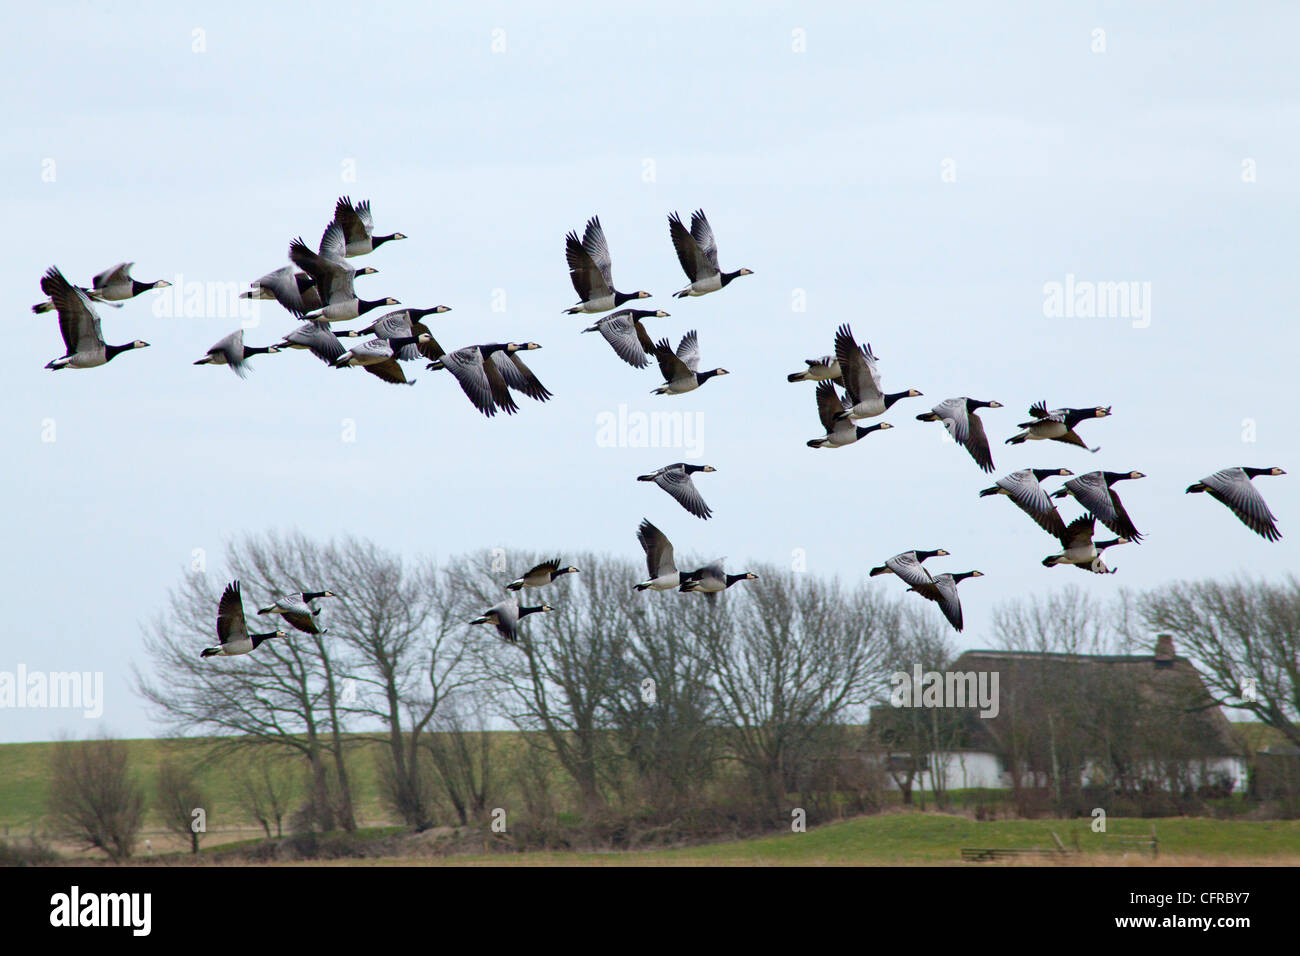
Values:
[(819, 170)]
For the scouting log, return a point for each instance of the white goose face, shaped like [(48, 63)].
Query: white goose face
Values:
[(941, 553), (720, 371), (751, 576), (977, 574), (1276, 471), (162, 284), (572, 570), (884, 425), (1136, 474), (391, 301), (1064, 472), (995, 404), (547, 607), (643, 295), (442, 308), (708, 468), (913, 393), (1102, 412), (746, 272), (398, 235), (139, 344), (367, 271), (661, 314)]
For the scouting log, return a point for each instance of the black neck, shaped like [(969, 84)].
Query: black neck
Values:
[(728, 276), (255, 349), (621, 297), (1256, 472), (893, 397), (702, 377), (529, 610), (137, 286), (733, 578), (377, 241), (310, 596), (110, 351), (365, 305), (259, 638)]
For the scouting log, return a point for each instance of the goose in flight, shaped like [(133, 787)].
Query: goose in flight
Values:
[(1233, 487), (958, 416), (83, 339), (1095, 492), (299, 609), (591, 271), (516, 375), (333, 277), (359, 227), (233, 352), (711, 580), (861, 378), (676, 480), (680, 369), (110, 286), (540, 575), (1057, 425), (1080, 550), (824, 369), (405, 323), (232, 628), (1025, 492), (627, 336), (480, 377), (380, 357), (697, 251), (295, 290), (319, 339), (907, 565), (505, 617), (658, 559), (840, 431), (944, 593)]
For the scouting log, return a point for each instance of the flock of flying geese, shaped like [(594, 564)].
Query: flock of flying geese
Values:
[(318, 289)]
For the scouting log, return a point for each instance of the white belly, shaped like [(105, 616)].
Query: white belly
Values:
[(87, 359), (1047, 430), (868, 409), (666, 582), (341, 311), (602, 304), (706, 285)]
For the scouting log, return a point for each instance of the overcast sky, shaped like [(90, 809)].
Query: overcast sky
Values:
[(922, 173)]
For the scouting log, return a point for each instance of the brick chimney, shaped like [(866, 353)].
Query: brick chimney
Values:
[(1164, 650)]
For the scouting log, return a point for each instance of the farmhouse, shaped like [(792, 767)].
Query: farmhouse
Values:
[(1125, 723)]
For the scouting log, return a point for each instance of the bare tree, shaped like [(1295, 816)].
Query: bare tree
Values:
[(460, 747), (790, 655), (557, 678), (178, 797), (94, 798), (268, 788), (1245, 635)]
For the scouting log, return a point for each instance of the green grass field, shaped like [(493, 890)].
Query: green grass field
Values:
[(901, 837)]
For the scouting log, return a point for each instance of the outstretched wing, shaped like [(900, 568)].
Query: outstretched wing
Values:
[(679, 485)]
